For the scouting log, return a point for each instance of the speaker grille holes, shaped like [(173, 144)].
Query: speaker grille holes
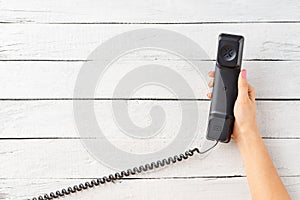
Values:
[(228, 53)]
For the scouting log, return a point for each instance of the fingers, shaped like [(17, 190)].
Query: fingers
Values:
[(209, 95), (251, 92), (243, 86), (245, 90), (211, 83), (211, 74)]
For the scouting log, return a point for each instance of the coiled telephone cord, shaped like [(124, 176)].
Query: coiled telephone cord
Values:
[(122, 174)]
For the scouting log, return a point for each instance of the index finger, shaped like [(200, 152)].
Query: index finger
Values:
[(211, 74)]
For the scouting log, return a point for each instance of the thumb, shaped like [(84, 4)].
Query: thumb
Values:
[(243, 86)]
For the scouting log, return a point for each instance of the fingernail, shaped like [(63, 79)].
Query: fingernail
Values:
[(244, 73)]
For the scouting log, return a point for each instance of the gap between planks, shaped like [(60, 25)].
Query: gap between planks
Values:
[(132, 99), (85, 60), (85, 138), (158, 23)]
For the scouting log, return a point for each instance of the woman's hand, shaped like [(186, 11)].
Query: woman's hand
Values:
[(262, 176), (244, 108)]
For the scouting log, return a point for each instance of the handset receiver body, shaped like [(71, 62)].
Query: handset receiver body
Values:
[(228, 65)]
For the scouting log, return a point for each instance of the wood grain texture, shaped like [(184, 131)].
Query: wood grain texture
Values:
[(136, 11), (67, 158), (30, 80), (196, 188), (43, 46), (77, 41), (55, 119)]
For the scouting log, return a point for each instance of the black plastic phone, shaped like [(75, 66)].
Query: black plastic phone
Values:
[(225, 89)]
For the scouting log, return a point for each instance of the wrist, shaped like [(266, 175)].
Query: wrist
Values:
[(247, 136)]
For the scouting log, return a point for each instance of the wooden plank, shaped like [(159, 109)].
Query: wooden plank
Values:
[(48, 154), (56, 42), (69, 159), (141, 189), (29, 79), (196, 188), (34, 11), (43, 119), (135, 189)]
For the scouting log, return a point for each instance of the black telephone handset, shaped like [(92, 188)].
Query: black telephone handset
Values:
[(225, 90)]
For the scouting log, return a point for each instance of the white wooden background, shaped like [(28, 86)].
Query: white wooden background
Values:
[(43, 45)]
